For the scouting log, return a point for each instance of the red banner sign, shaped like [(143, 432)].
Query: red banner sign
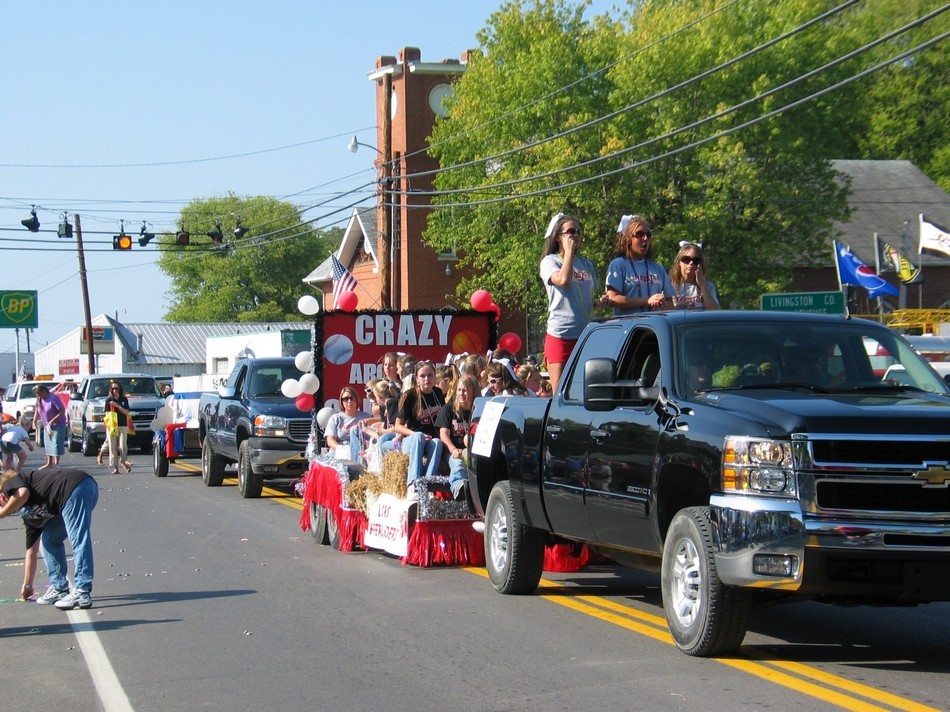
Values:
[(69, 367), (352, 344)]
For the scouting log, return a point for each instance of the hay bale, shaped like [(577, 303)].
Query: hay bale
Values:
[(394, 474)]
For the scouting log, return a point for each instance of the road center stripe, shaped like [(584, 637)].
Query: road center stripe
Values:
[(111, 694)]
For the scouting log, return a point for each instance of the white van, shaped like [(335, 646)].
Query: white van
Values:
[(19, 401)]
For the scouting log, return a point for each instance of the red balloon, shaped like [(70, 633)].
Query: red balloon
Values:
[(510, 342), (495, 308), (348, 301), (305, 401), (481, 300)]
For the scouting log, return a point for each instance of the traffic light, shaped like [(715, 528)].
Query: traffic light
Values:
[(32, 223), (183, 238), (217, 237), (121, 241), (145, 237), (64, 229)]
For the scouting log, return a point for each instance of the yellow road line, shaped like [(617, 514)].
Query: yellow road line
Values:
[(267, 493), (796, 676)]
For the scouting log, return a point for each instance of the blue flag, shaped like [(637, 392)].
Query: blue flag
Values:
[(852, 270)]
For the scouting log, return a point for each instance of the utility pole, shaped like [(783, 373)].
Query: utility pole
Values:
[(90, 350), (385, 199)]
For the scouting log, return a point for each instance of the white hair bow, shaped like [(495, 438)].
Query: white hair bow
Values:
[(625, 220), (686, 243), (552, 224)]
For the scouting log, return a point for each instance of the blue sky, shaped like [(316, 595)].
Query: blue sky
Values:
[(107, 84)]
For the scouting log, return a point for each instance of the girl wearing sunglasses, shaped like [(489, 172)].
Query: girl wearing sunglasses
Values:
[(569, 282), (340, 433), (635, 283), (693, 290)]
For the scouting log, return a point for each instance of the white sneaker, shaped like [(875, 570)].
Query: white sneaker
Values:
[(76, 599), (52, 595)]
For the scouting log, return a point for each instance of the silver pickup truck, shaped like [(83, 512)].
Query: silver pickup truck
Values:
[(86, 408)]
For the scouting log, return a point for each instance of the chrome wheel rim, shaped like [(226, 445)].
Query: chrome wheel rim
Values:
[(498, 538), (687, 583)]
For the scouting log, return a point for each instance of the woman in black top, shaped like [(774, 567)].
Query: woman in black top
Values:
[(415, 423), (455, 425), (118, 403)]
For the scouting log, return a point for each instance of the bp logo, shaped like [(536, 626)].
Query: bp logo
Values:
[(18, 309)]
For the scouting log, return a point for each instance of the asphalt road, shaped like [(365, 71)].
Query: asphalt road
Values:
[(203, 600)]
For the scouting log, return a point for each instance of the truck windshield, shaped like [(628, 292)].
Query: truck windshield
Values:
[(846, 356), (266, 380), (135, 386)]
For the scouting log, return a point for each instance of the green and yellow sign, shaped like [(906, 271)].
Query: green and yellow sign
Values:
[(18, 310)]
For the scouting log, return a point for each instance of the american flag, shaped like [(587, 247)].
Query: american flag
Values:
[(343, 281)]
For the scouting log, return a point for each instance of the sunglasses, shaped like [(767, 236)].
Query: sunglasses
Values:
[(571, 231), (114, 389), (691, 260), (347, 398), (493, 381), (643, 233)]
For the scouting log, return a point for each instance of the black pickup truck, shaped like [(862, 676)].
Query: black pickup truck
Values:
[(749, 456), (252, 423)]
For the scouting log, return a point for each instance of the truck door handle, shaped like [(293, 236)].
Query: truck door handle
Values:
[(554, 431), (599, 434)]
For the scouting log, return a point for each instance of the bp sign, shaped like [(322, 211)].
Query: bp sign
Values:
[(810, 302), (18, 310)]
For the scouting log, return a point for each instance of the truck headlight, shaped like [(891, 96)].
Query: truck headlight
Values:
[(95, 415), (274, 426), (758, 466)]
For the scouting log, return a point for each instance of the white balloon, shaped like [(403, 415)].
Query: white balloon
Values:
[(323, 417), (333, 404), (308, 304), (303, 361), (309, 383), (291, 388)]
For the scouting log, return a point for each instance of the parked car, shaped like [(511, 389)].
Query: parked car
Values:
[(19, 401)]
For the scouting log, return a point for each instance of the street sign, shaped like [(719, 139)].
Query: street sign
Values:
[(18, 310), (103, 340), (810, 302)]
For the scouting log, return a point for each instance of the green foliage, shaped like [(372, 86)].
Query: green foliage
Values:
[(762, 198), (257, 278)]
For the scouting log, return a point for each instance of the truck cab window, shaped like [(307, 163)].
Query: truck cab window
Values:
[(598, 343)]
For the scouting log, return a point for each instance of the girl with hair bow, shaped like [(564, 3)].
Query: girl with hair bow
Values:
[(635, 283)]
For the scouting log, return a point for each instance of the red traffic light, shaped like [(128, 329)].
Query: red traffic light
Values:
[(121, 242), (183, 238)]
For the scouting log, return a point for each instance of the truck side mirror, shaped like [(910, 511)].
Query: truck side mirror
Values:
[(600, 376), (226, 392), (77, 396)]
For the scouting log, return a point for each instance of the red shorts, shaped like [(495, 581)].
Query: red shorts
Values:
[(557, 350)]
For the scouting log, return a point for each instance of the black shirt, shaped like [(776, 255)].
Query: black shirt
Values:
[(46, 487), (431, 405), (458, 423), (122, 401)]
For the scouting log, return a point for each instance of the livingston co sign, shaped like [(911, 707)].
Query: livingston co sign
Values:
[(18, 310), (810, 302)]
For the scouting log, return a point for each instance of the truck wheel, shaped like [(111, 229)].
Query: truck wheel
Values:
[(159, 463), (73, 445), (250, 485), (212, 466), (514, 553), (706, 617), (318, 523), (88, 443), (333, 530)]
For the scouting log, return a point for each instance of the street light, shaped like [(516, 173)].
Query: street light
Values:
[(353, 146)]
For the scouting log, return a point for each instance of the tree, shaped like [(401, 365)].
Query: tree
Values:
[(254, 278), (691, 152)]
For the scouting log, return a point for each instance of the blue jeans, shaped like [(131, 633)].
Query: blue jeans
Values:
[(75, 522), (458, 473), (417, 447)]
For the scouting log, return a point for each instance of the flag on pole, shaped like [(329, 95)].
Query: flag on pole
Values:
[(851, 270), (343, 281), (905, 270), (934, 240)]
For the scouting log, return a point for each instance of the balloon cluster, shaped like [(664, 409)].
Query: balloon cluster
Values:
[(302, 390), (481, 300)]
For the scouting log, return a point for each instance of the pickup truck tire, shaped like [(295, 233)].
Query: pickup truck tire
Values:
[(88, 446), (318, 523), (72, 445), (333, 530), (250, 485), (706, 617), (159, 463), (212, 466), (514, 553)]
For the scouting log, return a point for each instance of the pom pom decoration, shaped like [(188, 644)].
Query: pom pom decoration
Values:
[(481, 300), (510, 342), (496, 309), (304, 402), (304, 361), (308, 304), (323, 417), (291, 388), (309, 384), (348, 301)]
